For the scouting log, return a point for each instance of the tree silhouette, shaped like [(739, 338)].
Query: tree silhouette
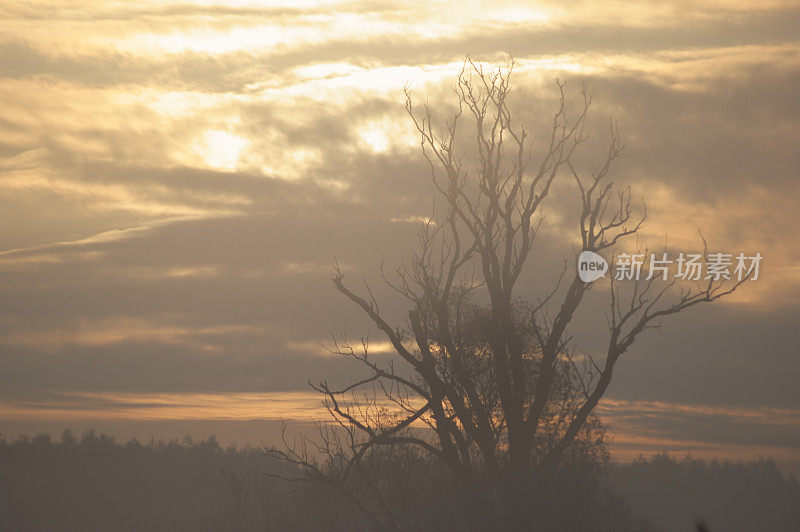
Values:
[(501, 391)]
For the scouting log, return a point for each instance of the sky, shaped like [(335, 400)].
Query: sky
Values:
[(176, 179)]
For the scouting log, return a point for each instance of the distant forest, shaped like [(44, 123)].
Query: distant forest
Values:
[(92, 482)]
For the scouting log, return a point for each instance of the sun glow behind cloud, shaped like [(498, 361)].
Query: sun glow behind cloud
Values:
[(220, 149)]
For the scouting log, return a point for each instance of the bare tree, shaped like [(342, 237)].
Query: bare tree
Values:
[(501, 390)]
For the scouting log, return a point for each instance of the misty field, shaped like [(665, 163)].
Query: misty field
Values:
[(92, 482)]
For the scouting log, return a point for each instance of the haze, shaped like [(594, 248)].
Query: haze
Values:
[(177, 178)]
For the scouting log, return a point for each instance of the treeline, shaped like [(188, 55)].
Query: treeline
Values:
[(95, 483), (92, 482), (726, 496)]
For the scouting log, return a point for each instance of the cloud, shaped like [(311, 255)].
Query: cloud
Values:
[(178, 177), (68, 406), (721, 432), (121, 329)]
